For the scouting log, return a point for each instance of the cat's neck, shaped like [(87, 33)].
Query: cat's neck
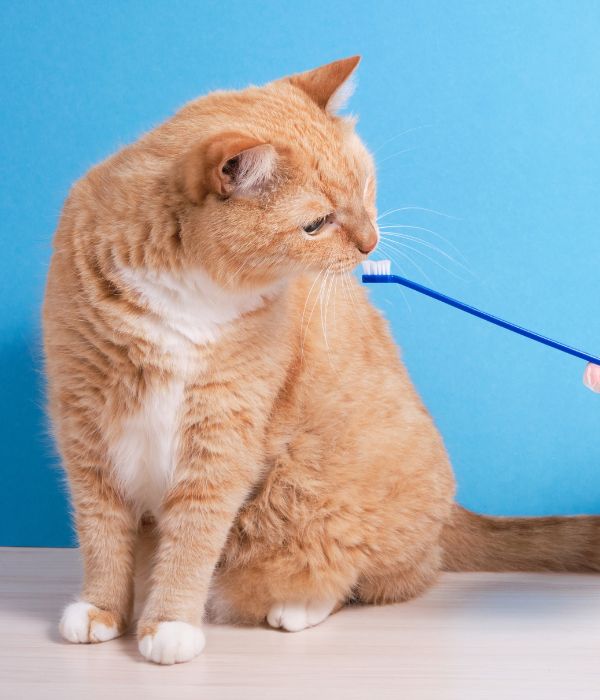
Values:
[(192, 304)]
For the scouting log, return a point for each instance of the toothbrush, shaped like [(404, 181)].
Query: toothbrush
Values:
[(379, 271)]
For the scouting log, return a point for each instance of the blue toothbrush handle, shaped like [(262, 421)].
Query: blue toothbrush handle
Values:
[(397, 279)]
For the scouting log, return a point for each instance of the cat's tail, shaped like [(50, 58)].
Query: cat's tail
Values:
[(473, 542)]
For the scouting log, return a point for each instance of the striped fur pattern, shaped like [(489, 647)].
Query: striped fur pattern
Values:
[(236, 424)]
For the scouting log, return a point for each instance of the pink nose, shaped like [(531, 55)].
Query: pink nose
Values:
[(367, 243)]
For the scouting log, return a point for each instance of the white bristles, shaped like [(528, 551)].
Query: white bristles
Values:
[(377, 267)]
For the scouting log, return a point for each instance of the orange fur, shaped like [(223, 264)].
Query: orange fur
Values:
[(194, 330)]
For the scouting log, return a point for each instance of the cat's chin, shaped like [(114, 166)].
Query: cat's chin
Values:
[(345, 269), (337, 269)]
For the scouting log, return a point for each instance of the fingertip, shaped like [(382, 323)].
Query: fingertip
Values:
[(591, 377)]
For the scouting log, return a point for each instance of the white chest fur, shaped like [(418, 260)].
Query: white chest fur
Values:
[(145, 453), (184, 312)]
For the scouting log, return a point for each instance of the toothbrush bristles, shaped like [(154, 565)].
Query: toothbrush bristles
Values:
[(377, 267)]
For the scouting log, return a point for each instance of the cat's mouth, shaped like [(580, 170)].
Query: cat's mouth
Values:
[(350, 263)]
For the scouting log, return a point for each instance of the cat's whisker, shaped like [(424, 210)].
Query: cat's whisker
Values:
[(391, 252), (318, 300), (351, 298), (327, 299), (409, 237), (322, 296), (398, 153), (429, 211), (304, 329), (331, 294), (427, 257), (402, 133), (344, 279), (334, 304), (356, 305), (326, 294), (427, 230), (407, 257), (308, 297), (402, 292), (335, 283), (392, 236)]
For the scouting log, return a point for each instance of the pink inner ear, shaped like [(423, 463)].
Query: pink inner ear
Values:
[(322, 83), (591, 378), (256, 167)]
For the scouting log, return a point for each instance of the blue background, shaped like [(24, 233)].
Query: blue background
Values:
[(486, 111)]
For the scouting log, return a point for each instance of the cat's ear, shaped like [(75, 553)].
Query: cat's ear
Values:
[(330, 86), (228, 164)]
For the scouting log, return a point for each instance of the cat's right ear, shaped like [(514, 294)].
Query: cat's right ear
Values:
[(329, 86), (227, 164)]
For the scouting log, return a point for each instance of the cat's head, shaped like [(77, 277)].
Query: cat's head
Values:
[(279, 183)]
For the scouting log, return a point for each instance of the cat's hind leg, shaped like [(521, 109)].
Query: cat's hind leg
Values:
[(294, 616), (262, 592), (283, 564), (396, 584), (379, 587)]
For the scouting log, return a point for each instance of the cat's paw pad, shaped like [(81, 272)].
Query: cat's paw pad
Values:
[(172, 643), (84, 623), (297, 616)]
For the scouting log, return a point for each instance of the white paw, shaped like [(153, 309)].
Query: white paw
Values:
[(294, 617), (172, 643), (78, 626)]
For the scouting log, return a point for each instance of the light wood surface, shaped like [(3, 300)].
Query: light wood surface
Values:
[(473, 636)]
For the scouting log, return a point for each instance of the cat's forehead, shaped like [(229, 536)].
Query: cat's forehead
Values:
[(322, 145), (325, 142), (276, 110), (342, 159)]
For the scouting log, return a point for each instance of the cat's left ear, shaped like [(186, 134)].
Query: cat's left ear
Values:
[(330, 86), (227, 164)]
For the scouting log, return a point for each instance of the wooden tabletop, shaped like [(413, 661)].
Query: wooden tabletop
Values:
[(473, 636)]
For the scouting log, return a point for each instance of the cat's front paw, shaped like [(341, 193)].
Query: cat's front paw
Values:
[(297, 616), (84, 623), (171, 642)]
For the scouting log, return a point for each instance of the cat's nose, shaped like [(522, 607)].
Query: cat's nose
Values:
[(367, 240), (367, 246), (361, 231)]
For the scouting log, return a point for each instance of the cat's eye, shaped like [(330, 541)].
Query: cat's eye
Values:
[(314, 226)]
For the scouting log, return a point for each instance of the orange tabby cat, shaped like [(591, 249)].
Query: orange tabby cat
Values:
[(262, 456)]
